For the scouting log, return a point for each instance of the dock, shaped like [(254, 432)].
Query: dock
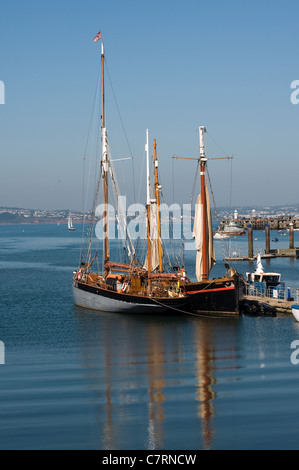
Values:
[(281, 305), (277, 253), (291, 252)]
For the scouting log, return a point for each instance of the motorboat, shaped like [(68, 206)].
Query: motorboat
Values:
[(265, 283)]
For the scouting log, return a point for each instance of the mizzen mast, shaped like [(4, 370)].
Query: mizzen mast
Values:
[(148, 209), (203, 165), (157, 193)]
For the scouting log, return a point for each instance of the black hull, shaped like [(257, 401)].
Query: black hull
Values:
[(214, 297), (219, 296)]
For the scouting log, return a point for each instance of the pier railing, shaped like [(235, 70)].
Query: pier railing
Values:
[(279, 292), (241, 253)]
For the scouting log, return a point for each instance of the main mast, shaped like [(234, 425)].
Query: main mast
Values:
[(203, 164), (105, 166)]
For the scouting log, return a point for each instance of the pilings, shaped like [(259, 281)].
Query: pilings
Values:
[(267, 235), (250, 242), (280, 252), (291, 244)]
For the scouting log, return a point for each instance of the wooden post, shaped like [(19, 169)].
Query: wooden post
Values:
[(291, 236), (250, 242), (267, 234)]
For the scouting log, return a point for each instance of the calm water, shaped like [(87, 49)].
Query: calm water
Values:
[(75, 379)]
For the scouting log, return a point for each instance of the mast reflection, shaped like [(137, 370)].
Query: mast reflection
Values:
[(141, 372)]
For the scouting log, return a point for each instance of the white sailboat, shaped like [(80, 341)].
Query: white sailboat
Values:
[(70, 223)]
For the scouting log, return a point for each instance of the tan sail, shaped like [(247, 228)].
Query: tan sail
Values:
[(154, 239), (198, 235)]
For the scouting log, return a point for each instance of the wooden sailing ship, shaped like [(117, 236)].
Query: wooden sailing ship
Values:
[(147, 287), (129, 287), (220, 295)]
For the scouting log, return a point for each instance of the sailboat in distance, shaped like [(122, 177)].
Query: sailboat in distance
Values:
[(70, 223)]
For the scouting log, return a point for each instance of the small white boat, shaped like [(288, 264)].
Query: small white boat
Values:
[(295, 311), (270, 278), (221, 235), (232, 228), (264, 283), (70, 223)]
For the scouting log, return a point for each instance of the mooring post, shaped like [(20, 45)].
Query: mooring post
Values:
[(250, 242), (291, 236), (267, 233)]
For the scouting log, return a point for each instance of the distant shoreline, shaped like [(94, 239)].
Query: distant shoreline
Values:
[(43, 222)]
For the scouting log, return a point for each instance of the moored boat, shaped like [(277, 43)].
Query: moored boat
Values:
[(264, 283), (147, 287), (221, 295), (220, 235), (132, 286), (232, 228), (295, 311)]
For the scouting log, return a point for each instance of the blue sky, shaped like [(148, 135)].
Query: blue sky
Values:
[(174, 66)]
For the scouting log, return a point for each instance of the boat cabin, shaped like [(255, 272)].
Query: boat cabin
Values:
[(271, 279)]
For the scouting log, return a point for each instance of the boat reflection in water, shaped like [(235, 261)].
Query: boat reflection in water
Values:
[(153, 379)]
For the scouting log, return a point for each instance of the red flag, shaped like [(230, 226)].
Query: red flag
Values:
[(97, 37)]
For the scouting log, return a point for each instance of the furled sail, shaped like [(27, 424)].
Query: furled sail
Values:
[(154, 238), (198, 235)]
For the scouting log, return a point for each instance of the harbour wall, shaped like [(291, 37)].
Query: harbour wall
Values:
[(275, 223)]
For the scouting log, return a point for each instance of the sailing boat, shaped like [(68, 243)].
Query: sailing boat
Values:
[(146, 287), (221, 295), (132, 286), (70, 223)]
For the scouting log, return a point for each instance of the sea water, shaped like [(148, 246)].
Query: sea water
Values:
[(78, 379)]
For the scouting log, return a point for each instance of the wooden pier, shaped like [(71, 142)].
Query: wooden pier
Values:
[(278, 253), (291, 252), (281, 305)]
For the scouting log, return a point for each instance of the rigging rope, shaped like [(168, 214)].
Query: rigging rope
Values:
[(123, 127), (86, 189)]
